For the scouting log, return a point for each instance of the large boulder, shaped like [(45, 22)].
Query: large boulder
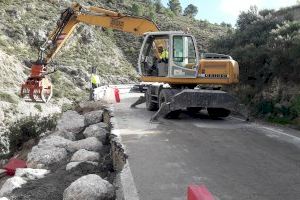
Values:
[(54, 141), (11, 184), (88, 106), (31, 174), (71, 121), (97, 131), (93, 117), (65, 134), (42, 157), (90, 144), (91, 187), (84, 155), (72, 165)]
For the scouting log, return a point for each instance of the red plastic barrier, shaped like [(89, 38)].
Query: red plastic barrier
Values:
[(196, 192), (117, 95), (13, 164)]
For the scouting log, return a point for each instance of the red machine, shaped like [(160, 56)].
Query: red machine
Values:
[(37, 86)]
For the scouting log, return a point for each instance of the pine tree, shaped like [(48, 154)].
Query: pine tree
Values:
[(190, 11), (175, 6), (158, 5)]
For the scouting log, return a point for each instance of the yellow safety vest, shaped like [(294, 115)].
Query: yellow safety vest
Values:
[(164, 55), (95, 79)]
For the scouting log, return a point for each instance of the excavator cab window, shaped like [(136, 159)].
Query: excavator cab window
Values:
[(185, 59), (154, 57)]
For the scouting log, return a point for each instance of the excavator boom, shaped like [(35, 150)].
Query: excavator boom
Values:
[(37, 86)]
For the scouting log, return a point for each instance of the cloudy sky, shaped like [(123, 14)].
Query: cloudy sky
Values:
[(217, 11)]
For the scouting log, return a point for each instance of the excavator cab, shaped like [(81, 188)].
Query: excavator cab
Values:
[(169, 54), (183, 81)]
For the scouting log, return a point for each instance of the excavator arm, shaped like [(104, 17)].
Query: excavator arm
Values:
[(37, 86)]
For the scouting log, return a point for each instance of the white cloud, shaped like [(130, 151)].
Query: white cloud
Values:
[(234, 7)]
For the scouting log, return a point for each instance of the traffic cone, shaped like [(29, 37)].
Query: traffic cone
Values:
[(196, 192), (117, 95)]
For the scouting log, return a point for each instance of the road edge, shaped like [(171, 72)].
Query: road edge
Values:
[(126, 186)]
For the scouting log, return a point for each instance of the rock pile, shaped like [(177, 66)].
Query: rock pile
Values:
[(77, 142)]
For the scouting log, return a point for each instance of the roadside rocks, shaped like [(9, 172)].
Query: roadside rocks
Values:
[(54, 141), (96, 130), (91, 187), (11, 184), (84, 155), (31, 174), (42, 157), (88, 106), (55, 150), (71, 121), (90, 144), (72, 165), (93, 117), (65, 134)]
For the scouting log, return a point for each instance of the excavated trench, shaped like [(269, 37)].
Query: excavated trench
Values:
[(52, 186)]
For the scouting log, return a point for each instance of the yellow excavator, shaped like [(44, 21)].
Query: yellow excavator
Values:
[(172, 82)]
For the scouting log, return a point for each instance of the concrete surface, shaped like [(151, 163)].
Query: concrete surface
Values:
[(236, 160)]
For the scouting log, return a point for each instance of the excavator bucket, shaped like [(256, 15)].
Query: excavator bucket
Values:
[(37, 87)]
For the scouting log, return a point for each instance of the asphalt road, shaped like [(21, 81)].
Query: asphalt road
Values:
[(236, 160)]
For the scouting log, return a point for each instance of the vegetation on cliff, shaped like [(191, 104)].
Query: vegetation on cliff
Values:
[(267, 48)]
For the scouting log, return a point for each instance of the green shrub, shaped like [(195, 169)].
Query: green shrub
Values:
[(295, 107), (66, 106), (8, 98), (265, 107), (57, 93), (279, 120), (38, 107), (28, 128), (55, 77)]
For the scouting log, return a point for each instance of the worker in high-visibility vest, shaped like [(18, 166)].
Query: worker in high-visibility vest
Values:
[(163, 54), (95, 82)]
